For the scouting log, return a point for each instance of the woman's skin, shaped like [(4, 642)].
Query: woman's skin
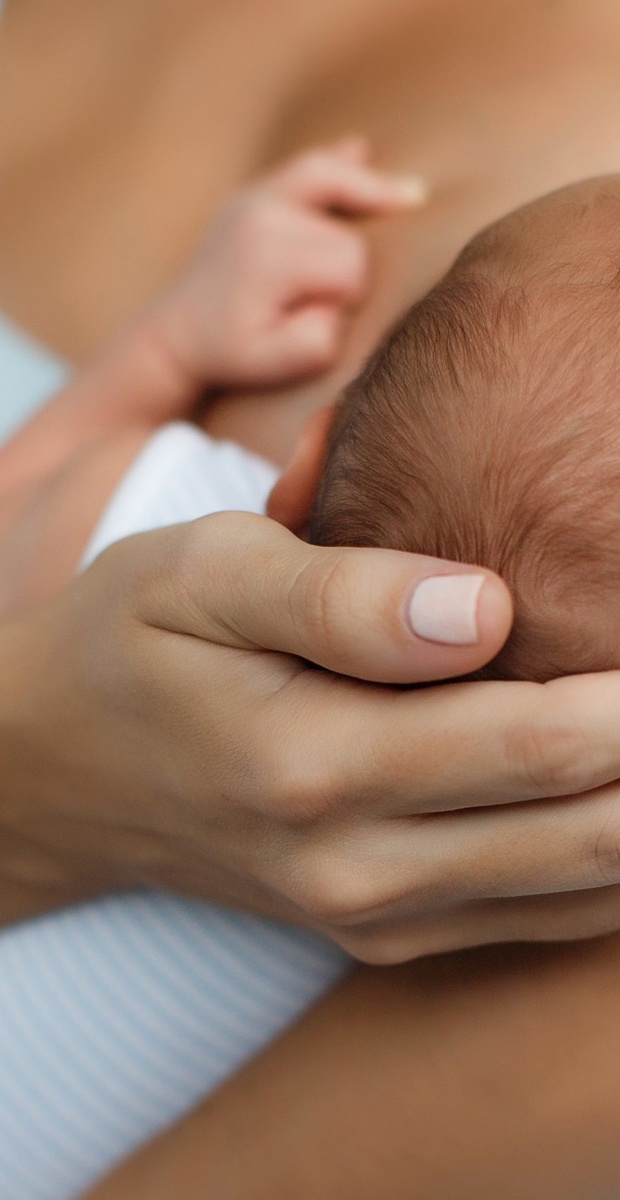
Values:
[(489, 1073), (112, 163)]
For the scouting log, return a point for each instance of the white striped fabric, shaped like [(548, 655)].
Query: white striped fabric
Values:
[(117, 1016)]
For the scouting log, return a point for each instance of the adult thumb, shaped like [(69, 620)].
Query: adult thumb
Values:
[(382, 615)]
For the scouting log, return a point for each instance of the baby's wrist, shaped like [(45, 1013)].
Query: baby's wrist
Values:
[(189, 344), (161, 362)]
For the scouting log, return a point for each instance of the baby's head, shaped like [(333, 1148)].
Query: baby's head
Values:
[(487, 430)]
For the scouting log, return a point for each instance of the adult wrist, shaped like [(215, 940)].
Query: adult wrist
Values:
[(33, 878)]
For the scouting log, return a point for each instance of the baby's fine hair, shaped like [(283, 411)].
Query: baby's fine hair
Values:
[(487, 430)]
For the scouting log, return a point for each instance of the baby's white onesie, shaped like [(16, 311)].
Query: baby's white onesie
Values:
[(117, 1016)]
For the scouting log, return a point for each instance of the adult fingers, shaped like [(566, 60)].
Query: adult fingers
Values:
[(563, 916), (324, 179), (516, 850), (566, 916), (386, 872), (381, 615), (470, 745)]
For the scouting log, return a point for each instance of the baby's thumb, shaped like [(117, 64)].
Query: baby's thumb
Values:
[(379, 615)]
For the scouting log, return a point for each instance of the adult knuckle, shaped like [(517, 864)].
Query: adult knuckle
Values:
[(207, 546), (333, 890), (554, 758), (299, 795)]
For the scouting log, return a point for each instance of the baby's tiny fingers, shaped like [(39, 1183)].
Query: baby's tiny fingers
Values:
[(327, 181), (332, 264)]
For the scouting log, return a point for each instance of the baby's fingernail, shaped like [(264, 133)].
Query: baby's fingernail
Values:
[(414, 189), (444, 608)]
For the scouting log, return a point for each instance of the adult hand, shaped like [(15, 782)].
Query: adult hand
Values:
[(160, 724)]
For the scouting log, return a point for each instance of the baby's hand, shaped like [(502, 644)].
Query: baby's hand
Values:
[(264, 302), (266, 299)]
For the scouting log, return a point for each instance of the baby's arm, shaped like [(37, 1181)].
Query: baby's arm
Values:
[(264, 302), (46, 524)]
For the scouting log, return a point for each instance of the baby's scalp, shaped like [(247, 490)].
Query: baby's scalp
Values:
[(487, 430)]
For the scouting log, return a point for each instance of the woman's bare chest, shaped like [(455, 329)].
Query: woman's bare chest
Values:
[(119, 136)]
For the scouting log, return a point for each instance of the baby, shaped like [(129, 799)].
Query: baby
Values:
[(487, 430), (484, 430)]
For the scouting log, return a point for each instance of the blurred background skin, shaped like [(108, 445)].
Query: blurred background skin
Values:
[(124, 123)]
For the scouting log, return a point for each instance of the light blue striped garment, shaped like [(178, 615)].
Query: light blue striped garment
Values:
[(117, 1016)]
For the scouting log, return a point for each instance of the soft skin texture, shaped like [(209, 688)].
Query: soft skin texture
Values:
[(303, 827), (112, 164), (485, 1074), (109, 778), (267, 297), (265, 300)]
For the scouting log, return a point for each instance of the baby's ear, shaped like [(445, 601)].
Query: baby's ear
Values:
[(291, 500)]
